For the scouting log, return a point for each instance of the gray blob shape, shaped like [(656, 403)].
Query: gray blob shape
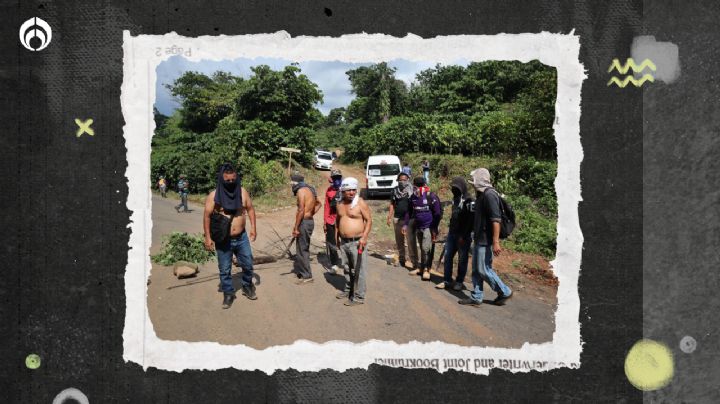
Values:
[(665, 56)]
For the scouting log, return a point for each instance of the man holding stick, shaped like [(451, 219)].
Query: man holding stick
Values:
[(353, 225)]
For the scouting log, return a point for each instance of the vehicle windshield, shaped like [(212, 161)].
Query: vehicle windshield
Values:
[(381, 170), (324, 156)]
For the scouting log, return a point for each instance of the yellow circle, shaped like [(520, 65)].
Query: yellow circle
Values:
[(32, 361), (649, 365)]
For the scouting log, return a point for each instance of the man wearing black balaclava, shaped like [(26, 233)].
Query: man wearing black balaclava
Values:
[(458, 238), (231, 200)]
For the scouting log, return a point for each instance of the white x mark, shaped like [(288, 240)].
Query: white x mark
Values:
[(84, 127)]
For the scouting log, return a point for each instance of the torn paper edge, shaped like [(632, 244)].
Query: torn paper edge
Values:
[(142, 55)]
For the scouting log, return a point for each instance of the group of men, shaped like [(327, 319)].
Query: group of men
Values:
[(414, 211), (346, 222), (348, 232)]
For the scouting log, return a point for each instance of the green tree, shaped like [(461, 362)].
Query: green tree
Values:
[(379, 95), (285, 97), (204, 100)]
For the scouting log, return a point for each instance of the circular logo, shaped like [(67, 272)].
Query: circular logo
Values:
[(35, 34), (32, 361)]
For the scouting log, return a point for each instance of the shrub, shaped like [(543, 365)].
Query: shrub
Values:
[(183, 247)]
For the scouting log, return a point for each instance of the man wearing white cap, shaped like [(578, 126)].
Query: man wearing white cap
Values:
[(353, 227)]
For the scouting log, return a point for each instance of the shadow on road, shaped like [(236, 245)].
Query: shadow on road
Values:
[(238, 276), (337, 281)]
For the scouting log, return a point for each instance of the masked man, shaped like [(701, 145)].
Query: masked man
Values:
[(332, 197), (487, 241), (399, 206), (458, 238), (427, 212), (232, 201)]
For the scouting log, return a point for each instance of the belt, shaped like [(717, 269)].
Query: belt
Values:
[(349, 239)]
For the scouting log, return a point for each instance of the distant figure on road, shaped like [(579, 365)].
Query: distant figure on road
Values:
[(307, 206), (406, 170), (399, 206), (487, 241), (427, 212), (183, 188), (232, 201), (332, 198), (426, 171), (354, 222), (458, 238), (162, 186)]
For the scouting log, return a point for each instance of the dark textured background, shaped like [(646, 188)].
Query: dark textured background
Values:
[(65, 222)]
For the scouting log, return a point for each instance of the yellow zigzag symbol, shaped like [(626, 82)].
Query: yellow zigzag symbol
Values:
[(631, 64), (630, 79)]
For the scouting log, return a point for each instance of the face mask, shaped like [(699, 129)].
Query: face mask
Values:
[(456, 192), (403, 184), (336, 183), (230, 185)]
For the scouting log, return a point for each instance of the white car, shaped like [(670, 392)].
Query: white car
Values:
[(323, 160), (381, 175)]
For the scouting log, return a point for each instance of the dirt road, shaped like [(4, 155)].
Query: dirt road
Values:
[(398, 307)]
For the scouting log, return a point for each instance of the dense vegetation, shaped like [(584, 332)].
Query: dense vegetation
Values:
[(486, 108), (493, 114)]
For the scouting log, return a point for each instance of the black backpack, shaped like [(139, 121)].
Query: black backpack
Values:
[(507, 215)]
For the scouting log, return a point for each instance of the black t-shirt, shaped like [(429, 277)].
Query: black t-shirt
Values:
[(487, 210), (402, 206)]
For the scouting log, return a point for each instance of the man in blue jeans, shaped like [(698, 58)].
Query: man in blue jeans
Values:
[(487, 241), (458, 238), (231, 200)]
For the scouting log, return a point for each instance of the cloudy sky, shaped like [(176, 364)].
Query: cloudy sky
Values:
[(329, 76)]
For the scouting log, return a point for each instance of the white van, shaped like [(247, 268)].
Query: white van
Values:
[(381, 174)]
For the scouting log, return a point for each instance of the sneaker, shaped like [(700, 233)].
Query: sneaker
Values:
[(249, 292), (469, 302), (303, 281), (458, 286), (228, 301), (441, 285), (354, 302), (415, 272), (501, 299), (342, 295), (426, 275)]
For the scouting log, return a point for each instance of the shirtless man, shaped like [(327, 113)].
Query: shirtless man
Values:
[(307, 205), (233, 201), (353, 227)]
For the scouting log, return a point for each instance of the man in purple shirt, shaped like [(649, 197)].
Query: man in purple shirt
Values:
[(426, 210)]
